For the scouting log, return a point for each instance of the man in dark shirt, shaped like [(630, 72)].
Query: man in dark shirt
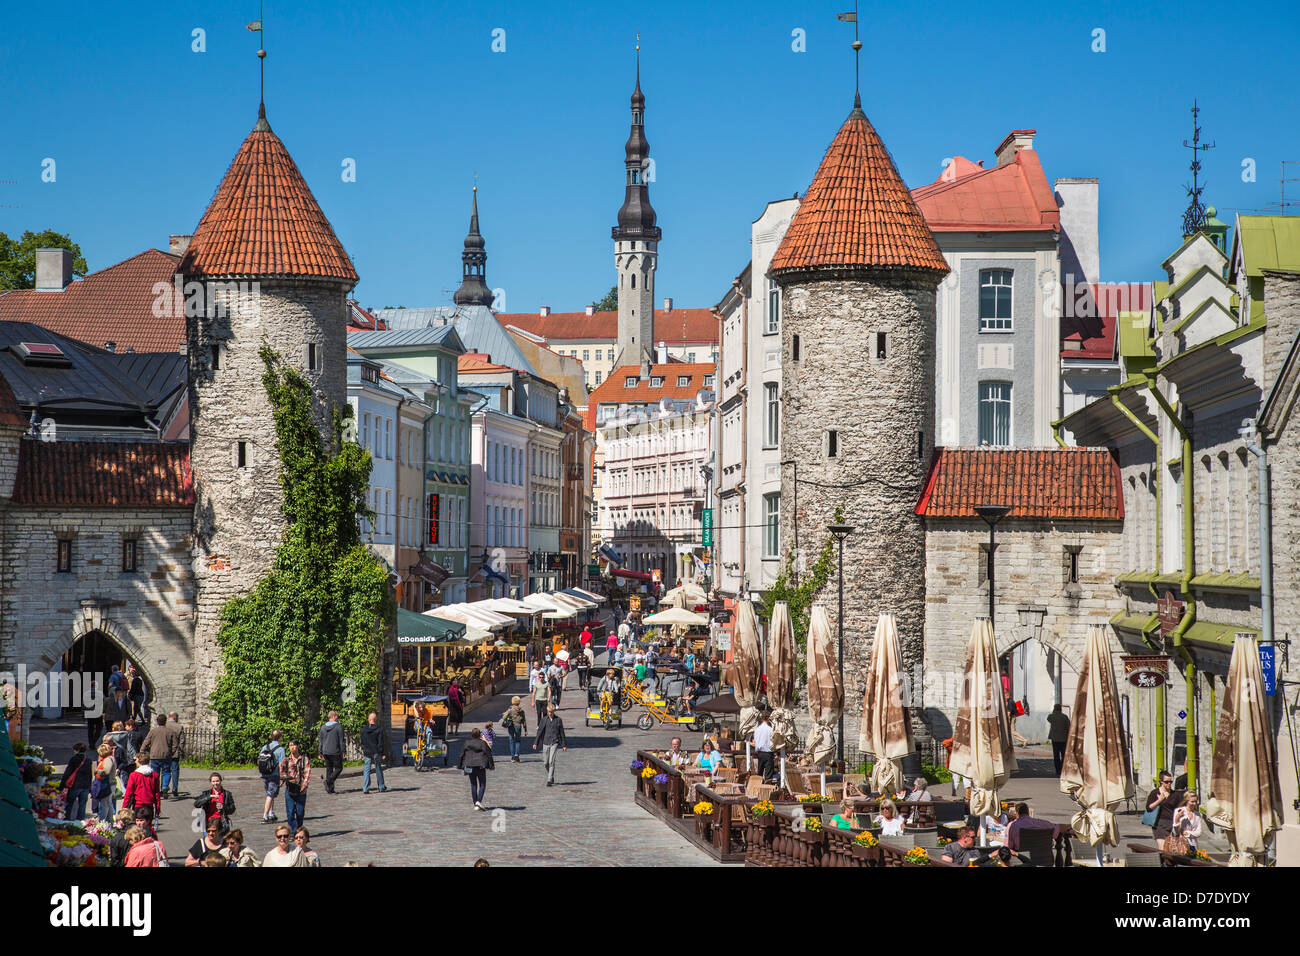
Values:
[(1164, 799), (962, 851), (550, 735), (1022, 822)]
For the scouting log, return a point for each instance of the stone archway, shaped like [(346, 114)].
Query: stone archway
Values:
[(93, 616), (1008, 639)]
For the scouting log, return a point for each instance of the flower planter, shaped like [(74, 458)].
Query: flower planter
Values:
[(704, 827), (868, 854)]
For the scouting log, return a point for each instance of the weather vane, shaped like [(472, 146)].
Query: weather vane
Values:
[(852, 17), (256, 27), (1194, 217)]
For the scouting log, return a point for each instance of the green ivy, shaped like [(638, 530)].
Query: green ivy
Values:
[(309, 637), (801, 596)]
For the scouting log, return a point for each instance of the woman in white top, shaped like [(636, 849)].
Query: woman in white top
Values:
[(1187, 819), (891, 824), (285, 853)]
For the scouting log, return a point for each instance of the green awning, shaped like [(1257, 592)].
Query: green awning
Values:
[(1219, 635), (415, 628), (1133, 623), (19, 845)]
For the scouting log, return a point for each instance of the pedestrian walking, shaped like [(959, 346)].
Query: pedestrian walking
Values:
[(611, 645), (145, 850), (550, 736), (285, 853), (302, 840), (554, 674), (103, 789), (372, 751), (515, 721), (95, 723), (176, 744), (562, 661), (331, 749), (76, 782), (236, 853), (541, 695), (142, 788), (135, 693), (269, 761), (455, 705), (489, 735), (586, 661), (1058, 732), (1161, 803), (212, 841), (475, 761), (762, 742), (158, 743), (295, 771), (217, 803)]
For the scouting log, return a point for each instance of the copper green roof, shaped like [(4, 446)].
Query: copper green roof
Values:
[(1269, 242), (1220, 635), (1225, 580)]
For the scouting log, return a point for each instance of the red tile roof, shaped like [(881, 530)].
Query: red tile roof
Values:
[(857, 213), (1089, 319), (676, 327), (615, 389), (264, 221), (1060, 483), (361, 320), (115, 304), (472, 362), (104, 474), (1013, 197)]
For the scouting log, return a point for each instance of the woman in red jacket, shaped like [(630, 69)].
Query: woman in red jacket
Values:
[(142, 787), (145, 850)]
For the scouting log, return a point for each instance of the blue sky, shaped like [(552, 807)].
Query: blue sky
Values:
[(141, 127)]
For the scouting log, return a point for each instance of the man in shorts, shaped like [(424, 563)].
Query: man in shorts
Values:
[(272, 781)]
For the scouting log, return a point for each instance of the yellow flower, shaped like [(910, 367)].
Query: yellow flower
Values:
[(813, 824), (648, 772), (866, 839), (703, 808), (762, 809)]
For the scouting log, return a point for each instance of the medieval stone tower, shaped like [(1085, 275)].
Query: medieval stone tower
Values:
[(273, 273), (636, 246), (857, 272)]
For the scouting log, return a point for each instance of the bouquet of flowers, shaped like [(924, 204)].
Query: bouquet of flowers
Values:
[(918, 857), (866, 839), (648, 772), (762, 809), (702, 809)]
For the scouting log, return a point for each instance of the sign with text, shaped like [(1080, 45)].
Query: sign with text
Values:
[(656, 575), (1267, 662), (1146, 671), (433, 519), (706, 520)]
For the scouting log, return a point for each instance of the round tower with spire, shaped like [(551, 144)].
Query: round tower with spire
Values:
[(473, 283), (857, 271), (273, 273), (636, 244)]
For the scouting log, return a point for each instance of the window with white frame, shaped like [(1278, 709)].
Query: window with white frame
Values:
[(772, 420), (773, 308), (772, 525), (995, 300), (995, 413)]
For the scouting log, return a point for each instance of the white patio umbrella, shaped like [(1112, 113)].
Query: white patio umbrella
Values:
[(781, 657), (747, 666), (1097, 773), (1245, 795), (676, 615), (981, 739), (825, 690), (886, 731)]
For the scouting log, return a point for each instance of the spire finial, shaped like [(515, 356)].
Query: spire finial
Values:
[(852, 17), (1194, 217), (256, 27)]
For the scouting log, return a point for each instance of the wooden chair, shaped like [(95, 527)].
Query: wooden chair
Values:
[(794, 783), (727, 773), (753, 785)]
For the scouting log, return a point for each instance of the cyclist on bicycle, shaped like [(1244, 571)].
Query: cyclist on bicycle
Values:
[(609, 689)]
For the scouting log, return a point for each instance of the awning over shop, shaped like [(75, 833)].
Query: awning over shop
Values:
[(580, 604), (19, 845), (634, 575), (590, 596), (415, 628), (473, 614), (553, 608), (509, 606), (586, 600)]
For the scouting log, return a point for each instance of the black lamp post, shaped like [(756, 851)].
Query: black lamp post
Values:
[(840, 531), (991, 514)]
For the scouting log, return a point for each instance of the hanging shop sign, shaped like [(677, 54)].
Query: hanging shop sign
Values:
[(1170, 613), (1146, 671)]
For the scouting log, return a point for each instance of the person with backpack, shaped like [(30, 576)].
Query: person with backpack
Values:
[(123, 752), (331, 749), (515, 721), (142, 787), (103, 788), (76, 782), (295, 769), (475, 761), (269, 760), (372, 750)]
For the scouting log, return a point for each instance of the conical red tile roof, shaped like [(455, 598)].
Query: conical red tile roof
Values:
[(857, 213), (264, 221)]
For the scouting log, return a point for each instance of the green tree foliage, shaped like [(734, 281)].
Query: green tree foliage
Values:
[(18, 257), (801, 595), (609, 303), (309, 638)]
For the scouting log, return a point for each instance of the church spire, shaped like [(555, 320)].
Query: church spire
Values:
[(473, 284), (636, 218)]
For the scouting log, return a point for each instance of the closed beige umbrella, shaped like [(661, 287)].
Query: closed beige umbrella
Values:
[(781, 657), (1097, 772), (746, 666), (981, 739), (886, 730), (1245, 796), (825, 690)]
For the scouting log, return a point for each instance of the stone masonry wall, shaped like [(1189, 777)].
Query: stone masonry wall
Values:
[(149, 613), (1030, 572), (879, 407), (238, 522)]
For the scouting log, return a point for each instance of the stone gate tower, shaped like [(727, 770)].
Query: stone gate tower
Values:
[(636, 246), (857, 272), (272, 272)]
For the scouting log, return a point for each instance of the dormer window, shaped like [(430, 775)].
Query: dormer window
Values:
[(630, 381), (683, 381), (656, 381)]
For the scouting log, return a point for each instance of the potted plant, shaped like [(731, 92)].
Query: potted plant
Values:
[(866, 846), (917, 857), (704, 818), (636, 766)]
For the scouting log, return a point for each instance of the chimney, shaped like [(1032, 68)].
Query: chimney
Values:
[(544, 311), (668, 305), (1077, 200), (591, 310), (178, 245), (661, 351), (53, 269), (1016, 140)]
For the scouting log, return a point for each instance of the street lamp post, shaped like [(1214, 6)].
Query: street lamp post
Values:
[(840, 531), (991, 514)]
